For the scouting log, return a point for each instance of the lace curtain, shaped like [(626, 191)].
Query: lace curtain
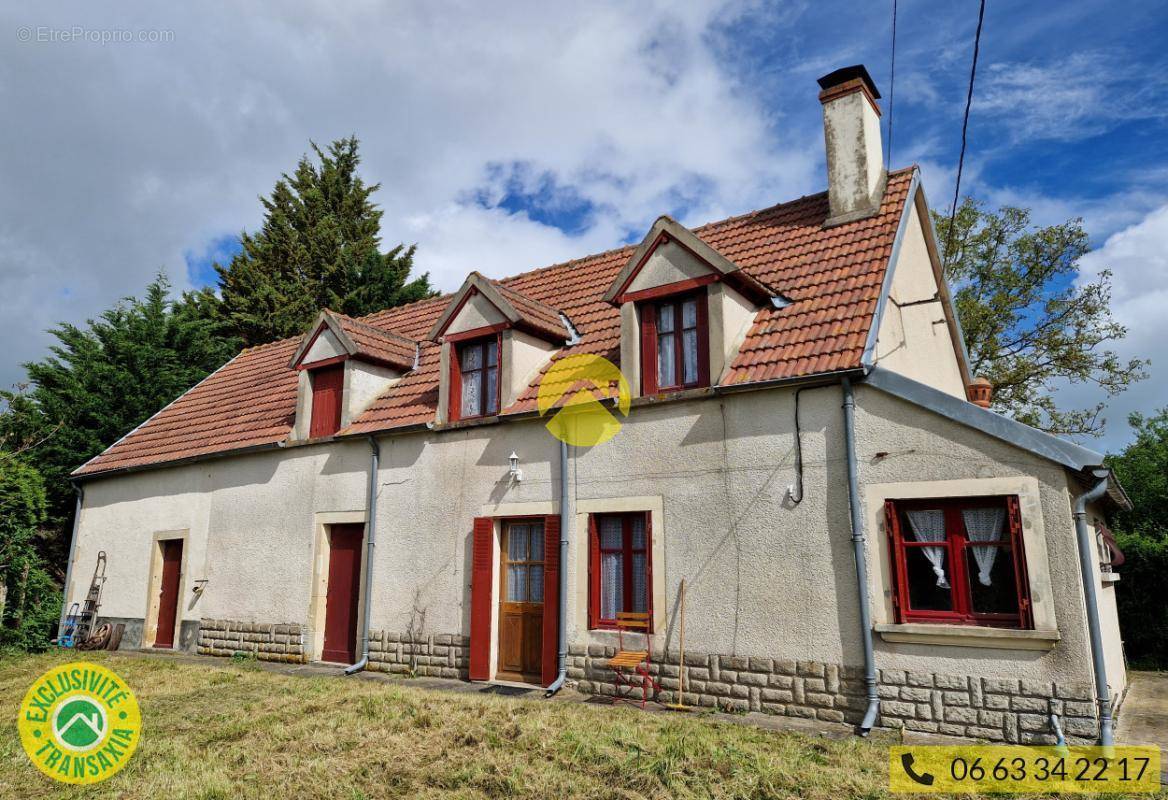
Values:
[(928, 525), (984, 525), (612, 590)]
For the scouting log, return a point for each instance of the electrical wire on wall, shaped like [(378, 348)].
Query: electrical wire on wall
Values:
[(795, 492), (964, 129)]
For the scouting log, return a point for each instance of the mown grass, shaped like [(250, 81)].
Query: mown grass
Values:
[(236, 731)]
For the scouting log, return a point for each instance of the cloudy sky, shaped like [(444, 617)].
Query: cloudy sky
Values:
[(512, 135)]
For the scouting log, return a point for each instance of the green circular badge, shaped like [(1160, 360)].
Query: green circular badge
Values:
[(79, 723)]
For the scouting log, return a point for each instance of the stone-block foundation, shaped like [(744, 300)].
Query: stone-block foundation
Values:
[(441, 655), (1003, 710), (269, 642)]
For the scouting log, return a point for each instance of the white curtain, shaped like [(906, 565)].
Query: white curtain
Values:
[(928, 525), (612, 574), (984, 525)]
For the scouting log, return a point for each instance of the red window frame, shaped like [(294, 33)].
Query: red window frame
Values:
[(457, 346), (957, 555), (595, 621), (649, 312), (328, 394)]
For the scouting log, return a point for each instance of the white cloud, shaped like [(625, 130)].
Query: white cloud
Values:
[(121, 158), (1074, 97), (1138, 259)]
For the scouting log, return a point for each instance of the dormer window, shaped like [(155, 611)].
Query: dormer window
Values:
[(675, 341), (328, 386), (475, 378)]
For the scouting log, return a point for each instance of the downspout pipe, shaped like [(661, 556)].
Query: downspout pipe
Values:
[(565, 521), (1086, 555), (370, 538), (80, 490), (858, 549)]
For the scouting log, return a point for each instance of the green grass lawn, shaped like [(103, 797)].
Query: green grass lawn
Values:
[(236, 731)]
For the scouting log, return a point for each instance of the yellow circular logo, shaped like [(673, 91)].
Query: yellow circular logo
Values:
[(79, 723), (578, 385)]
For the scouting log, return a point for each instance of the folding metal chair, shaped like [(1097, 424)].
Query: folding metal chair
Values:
[(631, 667)]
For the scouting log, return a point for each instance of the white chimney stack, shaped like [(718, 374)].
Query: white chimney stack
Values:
[(855, 154)]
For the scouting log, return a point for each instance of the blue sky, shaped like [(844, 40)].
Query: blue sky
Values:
[(528, 133)]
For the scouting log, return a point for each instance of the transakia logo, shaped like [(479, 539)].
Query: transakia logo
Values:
[(79, 723)]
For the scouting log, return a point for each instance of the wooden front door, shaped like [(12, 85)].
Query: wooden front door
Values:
[(344, 588), (521, 601), (168, 592)]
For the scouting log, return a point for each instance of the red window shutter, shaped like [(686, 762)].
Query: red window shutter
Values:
[(551, 598), (703, 298), (649, 567), (454, 401), (1014, 520), (327, 386), (593, 573), (900, 578), (482, 563), (648, 348)]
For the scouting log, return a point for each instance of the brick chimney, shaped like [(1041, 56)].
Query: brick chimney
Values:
[(980, 392), (855, 153)]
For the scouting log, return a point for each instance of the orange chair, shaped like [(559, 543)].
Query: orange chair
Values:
[(631, 667)]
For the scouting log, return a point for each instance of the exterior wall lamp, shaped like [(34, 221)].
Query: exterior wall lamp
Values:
[(516, 473)]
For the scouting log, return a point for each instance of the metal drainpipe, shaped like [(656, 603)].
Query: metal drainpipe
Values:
[(565, 520), (69, 565), (1086, 554), (370, 536), (861, 559)]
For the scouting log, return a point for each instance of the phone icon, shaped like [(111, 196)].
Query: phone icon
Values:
[(906, 761)]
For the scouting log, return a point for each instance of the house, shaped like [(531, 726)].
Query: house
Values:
[(801, 443)]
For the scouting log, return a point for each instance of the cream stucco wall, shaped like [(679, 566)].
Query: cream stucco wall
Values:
[(326, 345), (476, 312), (914, 337), (765, 576), (669, 263), (364, 383)]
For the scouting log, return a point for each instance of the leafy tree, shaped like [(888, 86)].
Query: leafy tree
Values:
[(29, 600), (1142, 468), (103, 380), (318, 247), (1142, 535), (1028, 325)]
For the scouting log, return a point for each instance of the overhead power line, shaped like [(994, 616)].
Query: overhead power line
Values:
[(891, 86), (965, 127)]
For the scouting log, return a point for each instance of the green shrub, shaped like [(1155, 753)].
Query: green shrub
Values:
[(1143, 614)]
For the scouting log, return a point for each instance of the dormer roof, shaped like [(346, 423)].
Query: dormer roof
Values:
[(519, 310), (359, 340), (667, 229), (834, 277)]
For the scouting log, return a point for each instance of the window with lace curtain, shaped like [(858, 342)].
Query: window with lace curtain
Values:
[(959, 561), (619, 566)]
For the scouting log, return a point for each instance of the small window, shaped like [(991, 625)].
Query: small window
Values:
[(959, 561), (620, 567), (475, 388), (327, 388), (675, 343)]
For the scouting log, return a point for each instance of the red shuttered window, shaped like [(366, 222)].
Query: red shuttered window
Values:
[(327, 388), (959, 561), (474, 373), (619, 566), (675, 343)]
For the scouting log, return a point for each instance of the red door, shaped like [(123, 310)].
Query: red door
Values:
[(327, 386), (168, 594), (344, 584)]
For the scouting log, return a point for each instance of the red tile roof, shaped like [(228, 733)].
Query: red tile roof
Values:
[(833, 276), (377, 344)]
